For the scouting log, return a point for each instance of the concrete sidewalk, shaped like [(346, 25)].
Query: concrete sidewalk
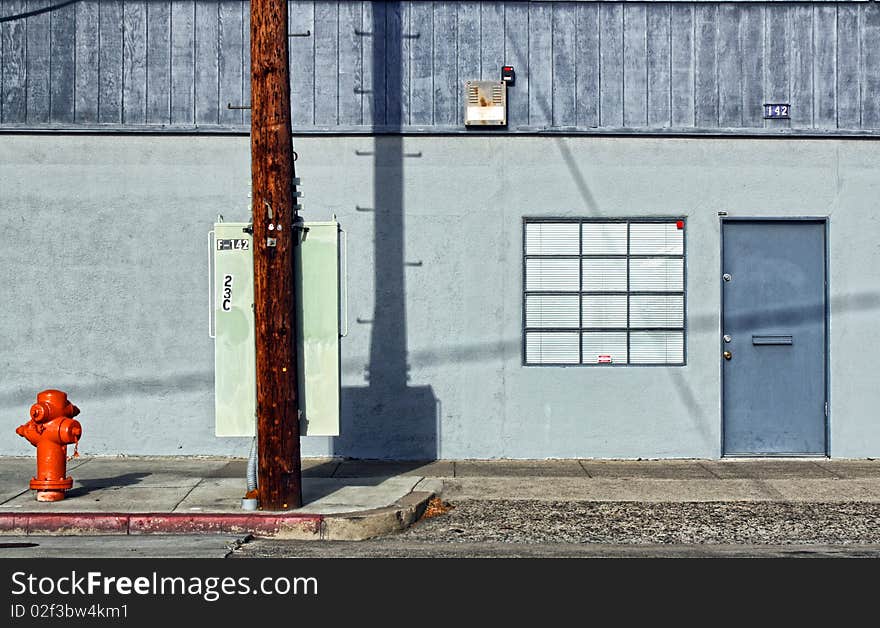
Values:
[(769, 479), (358, 499), (186, 495)]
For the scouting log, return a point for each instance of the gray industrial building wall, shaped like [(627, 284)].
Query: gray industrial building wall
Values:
[(104, 286), (105, 258), (581, 66)]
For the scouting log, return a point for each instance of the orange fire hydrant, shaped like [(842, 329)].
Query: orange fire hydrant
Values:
[(51, 429)]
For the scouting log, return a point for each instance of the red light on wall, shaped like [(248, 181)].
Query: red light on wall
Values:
[(679, 224)]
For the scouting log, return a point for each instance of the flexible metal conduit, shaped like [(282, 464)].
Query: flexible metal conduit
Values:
[(252, 467)]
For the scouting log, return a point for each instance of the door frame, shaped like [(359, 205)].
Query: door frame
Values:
[(824, 221)]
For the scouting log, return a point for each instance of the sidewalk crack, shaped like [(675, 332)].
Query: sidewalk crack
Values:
[(827, 470), (708, 470), (582, 466), (77, 463), (187, 494), (771, 491), (17, 495)]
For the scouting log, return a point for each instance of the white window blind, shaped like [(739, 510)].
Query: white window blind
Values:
[(599, 347), (656, 310), (551, 274), (604, 292), (656, 274), (604, 275), (549, 310), (604, 310), (552, 348), (552, 238), (607, 238), (656, 347), (657, 238)]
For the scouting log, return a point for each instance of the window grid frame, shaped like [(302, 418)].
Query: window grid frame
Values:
[(580, 293)]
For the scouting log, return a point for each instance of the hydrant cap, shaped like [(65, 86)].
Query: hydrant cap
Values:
[(70, 431), (40, 412), (57, 398)]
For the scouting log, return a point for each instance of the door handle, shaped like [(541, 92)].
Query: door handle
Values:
[(727, 355)]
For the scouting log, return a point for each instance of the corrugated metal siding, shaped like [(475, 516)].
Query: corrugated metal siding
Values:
[(581, 66)]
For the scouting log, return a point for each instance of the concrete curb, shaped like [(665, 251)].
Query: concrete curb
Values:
[(354, 526), (370, 523), (87, 523)]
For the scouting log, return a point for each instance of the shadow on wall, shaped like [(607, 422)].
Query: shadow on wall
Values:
[(388, 418)]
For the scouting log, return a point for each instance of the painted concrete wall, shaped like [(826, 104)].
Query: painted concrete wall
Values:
[(104, 286)]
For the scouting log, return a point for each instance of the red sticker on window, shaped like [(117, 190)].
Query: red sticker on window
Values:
[(679, 224)]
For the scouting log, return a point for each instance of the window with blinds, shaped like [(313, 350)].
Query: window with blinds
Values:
[(604, 292)]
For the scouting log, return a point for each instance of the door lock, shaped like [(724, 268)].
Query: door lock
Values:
[(727, 338), (726, 277), (727, 355)]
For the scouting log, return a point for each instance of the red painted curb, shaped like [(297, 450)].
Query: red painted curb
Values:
[(59, 523), (155, 523), (220, 523)]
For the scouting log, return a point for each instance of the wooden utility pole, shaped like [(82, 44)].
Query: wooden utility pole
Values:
[(275, 236)]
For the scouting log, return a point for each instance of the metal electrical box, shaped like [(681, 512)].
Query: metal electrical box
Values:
[(317, 320), (232, 315), (485, 103)]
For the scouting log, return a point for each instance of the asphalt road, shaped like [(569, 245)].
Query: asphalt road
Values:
[(121, 546), (421, 549)]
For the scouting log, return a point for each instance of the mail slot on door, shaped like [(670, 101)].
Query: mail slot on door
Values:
[(772, 340)]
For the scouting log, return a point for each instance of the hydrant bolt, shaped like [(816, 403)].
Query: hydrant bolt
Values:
[(51, 429)]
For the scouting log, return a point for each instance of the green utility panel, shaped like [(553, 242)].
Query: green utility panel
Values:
[(235, 375), (317, 320)]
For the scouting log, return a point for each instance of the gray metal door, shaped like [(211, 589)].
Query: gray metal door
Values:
[(773, 345)]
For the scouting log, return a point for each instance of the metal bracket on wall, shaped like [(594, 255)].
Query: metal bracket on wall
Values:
[(229, 105), (308, 33), (298, 226), (360, 33)]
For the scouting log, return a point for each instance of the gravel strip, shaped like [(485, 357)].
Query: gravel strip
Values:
[(757, 523)]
